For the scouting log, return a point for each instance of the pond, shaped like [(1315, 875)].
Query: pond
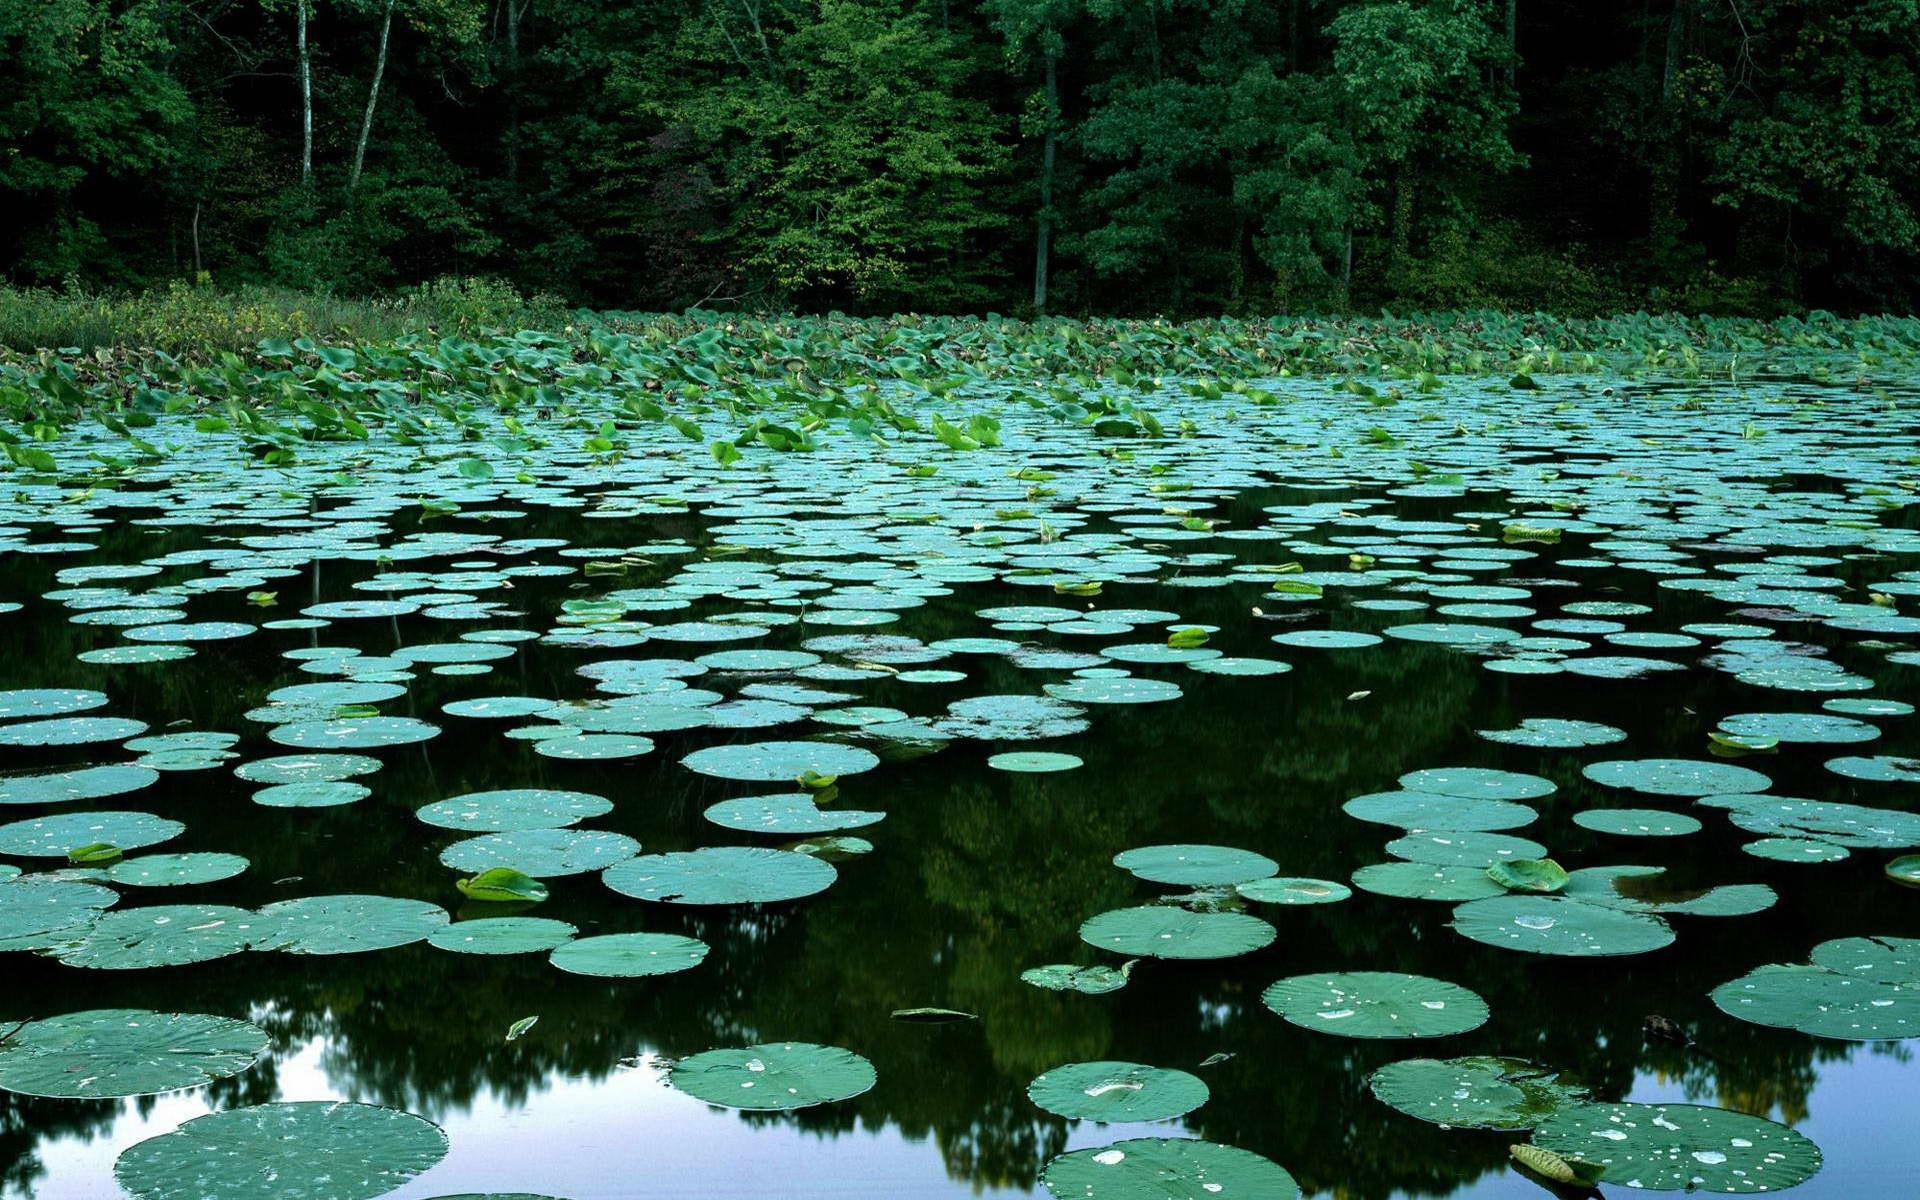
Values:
[(1245, 794)]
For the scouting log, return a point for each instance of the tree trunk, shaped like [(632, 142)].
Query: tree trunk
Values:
[(373, 99), (1043, 237), (306, 92)]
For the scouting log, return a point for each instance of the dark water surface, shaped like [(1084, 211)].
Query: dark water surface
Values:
[(978, 873)]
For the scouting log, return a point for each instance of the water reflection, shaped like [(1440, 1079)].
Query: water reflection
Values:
[(977, 875)]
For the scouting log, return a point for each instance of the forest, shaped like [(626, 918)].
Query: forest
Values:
[(1073, 157)]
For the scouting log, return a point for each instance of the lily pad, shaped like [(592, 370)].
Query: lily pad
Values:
[(780, 762), (510, 810), (349, 924), (53, 837), (1117, 1091), (1560, 926), (1293, 890), (166, 935), (1167, 1169), (1676, 776), (299, 1150), (542, 853), (501, 935), (773, 1076), (629, 955), (1376, 1004), (1160, 931), (1475, 1093), (1195, 866), (721, 875), (788, 813), (1089, 980), (1681, 1147), (125, 1052)]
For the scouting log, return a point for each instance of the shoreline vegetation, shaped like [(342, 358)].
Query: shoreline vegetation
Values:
[(203, 324)]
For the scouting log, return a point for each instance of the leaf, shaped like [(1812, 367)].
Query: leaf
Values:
[(1215, 1059), (725, 453), (92, 853), (1187, 639), (502, 885), (476, 468), (1528, 875), (519, 1028), (932, 1015), (1572, 1172)]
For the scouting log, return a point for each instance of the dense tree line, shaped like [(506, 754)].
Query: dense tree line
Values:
[(1132, 156)]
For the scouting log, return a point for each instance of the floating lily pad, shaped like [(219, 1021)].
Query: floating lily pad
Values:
[(1117, 1091), (175, 870), (22, 703), (1636, 822), (513, 809), (1676, 776), (1195, 866), (721, 875), (773, 1076), (1376, 1004), (1033, 762), (1878, 769), (1452, 848), (53, 837), (38, 912), (360, 733), (1293, 890), (1681, 1147), (1477, 783), (1158, 931), (1164, 1169), (166, 935), (349, 924), (1561, 926), (543, 853), (780, 762), (1090, 981), (629, 955), (300, 1150), (501, 935), (80, 783), (788, 813), (125, 1052), (1857, 989), (1427, 881), (1475, 1093), (1430, 810), (1556, 733), (70, 731)]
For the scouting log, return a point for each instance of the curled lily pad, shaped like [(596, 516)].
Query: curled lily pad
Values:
[(773, 1076), (1681, 1147), (1474, 1093), (125, 1052), (1159, 1168), (1905, 870), (299, 1150), (1158, 931), (1376, 1004), (629, 955), (1529, 875), (503, 885), (1195, 866), (721, 875), (1117, 1091)]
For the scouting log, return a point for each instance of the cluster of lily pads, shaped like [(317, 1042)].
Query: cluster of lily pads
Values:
[(830, 506)]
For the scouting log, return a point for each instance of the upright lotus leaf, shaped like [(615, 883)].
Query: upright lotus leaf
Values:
[(773, 1076), (1117, 1091), (1167, 1169), (349, 924), (1376, 1004), (300, 1150), (165, 935), (125, 1052), (1195, 866), (502, 885), (721, 875), (1091, 981), (1905, 870), (629, 955), (1681, 1147), (1158, 931), (1559, 925), (1475, 1093), (1529, 875)]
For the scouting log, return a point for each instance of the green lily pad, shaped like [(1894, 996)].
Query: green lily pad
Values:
[(510, 810), (70, 731), (1539, 875), (786, 814), (1478, 783), (1857, 989), (53, 837), (1167, 1169), (1883, 768), (502, 885), (81, 783), (629, 955), (38, 912), (175, 870), (1376, 1004), (1474, 1093), (1117, 1091), (1676, 776), (1430, 810), (721, 875), (1034, 762), (1195, 866), (543, 853), (773, 1076), (502, 935), (1556, 733), (1797, 850), (1452, 848), (1636, 822), (1089, 981), (125, 1052), (349, 924), (48, 702), (165, 935), (780, 762), (1426, 881), (1293, 890), (1681, 1147), (1159, 931), (360, 733), (1905, 870), (300, 1150), (1561, 926)]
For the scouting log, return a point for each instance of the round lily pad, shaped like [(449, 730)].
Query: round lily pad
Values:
[(780, 762), (1474, 1093), (1066, 977), (511, 809), (1426, 881), (542, 853), (1556, 733), (721, 875), (359, 733), (175, 870), (80, 783), (52, 837), (1477, 783), (299, 1150), (1195, 866), (1681, 1147), (165, 935), (1159, 931), (1117, 1091), (1857, 989), (1883, 768), (1559, 925), (70, 731), (1676, 776), (329, 793), (1167, 1169), (349, 924), (1636, 822), (38, 912), (629, 955), (788, 813), (1451, 848), (1430, 810), (125, 1052), (1033, 762), (48, 702), (1796, 850), (1293, 890), (773, 1076), (1799, 727), (501, 935), (1376, 1004)]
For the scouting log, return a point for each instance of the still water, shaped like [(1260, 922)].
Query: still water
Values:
[(977, 874)]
